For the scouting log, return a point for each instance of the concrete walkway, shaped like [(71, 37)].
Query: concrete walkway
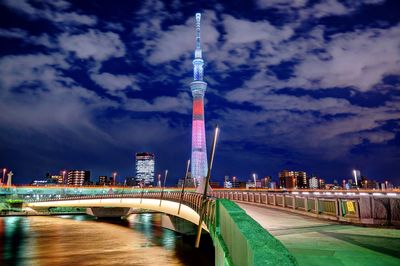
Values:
[(317, 242)]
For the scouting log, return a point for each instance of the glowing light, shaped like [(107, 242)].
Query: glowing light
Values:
[(391, 194), (377, 194), (305, 193)]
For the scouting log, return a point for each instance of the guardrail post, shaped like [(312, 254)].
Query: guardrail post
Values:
[(338, 209), (316, 205), (306, 204), (294, 202), (274, 199), (283, 200)]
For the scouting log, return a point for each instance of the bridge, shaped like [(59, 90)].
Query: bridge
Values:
[(237, 238), (313, 226)]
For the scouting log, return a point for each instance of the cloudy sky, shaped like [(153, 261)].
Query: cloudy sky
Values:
[(294, 84)]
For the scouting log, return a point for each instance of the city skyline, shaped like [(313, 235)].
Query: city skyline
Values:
[(309, 87)]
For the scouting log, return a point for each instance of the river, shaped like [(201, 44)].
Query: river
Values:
[(84, 240)]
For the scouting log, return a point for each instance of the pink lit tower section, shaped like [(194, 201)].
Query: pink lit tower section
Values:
[(198, 87)]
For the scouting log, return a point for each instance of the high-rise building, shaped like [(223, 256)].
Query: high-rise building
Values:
[(78, 177), (301, 179), (313, 182), (293, 179), (198, 87), (145, 168)]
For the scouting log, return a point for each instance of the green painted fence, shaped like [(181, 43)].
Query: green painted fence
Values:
[(239, 240)]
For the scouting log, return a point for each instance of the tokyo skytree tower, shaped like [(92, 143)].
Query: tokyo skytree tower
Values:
[(198, 87)]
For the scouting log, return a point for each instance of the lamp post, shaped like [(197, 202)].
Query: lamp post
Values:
[(114, 177), (255, 180), (163, 187), (234, 182), (4, 175), (203, 202)]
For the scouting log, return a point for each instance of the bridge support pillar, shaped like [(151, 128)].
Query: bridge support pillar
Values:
[(316, 205)]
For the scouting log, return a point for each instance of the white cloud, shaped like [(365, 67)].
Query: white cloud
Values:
[(281, 3), (13, 33), (114, 82), (179, 104), (60, 15), (180, 39), (240, 31), (93, 44), (357, 59)]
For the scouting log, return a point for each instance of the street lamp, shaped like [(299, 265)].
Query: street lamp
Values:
[(234, 181), (4, 175), (114, 177), (255, 180)]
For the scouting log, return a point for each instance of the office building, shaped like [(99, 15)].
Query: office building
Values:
[(145, 168), (313, 182), (293, 179)]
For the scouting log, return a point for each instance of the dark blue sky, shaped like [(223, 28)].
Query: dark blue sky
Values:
[(301, 85)]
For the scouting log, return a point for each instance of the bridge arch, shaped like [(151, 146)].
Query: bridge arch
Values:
[(167, 206)]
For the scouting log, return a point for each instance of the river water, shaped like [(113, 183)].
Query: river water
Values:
[(83, 240)]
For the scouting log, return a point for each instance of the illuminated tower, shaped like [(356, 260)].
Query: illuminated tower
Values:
[(198, 87)]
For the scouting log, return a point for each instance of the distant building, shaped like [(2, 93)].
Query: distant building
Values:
[(145, 168), (78, 177), (214, 184), (293, 179), (188, 184), (265, 182), (313, 182), (40, 182), (131, 181), (57, 179), (227, 184), (103, 180), (272, 185)]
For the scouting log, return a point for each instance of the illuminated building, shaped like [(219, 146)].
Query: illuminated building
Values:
[(103, 180), (265, 182), (293, 179), (78, 177), (145, 168), (198, 87), (58, 179), (313, 182)]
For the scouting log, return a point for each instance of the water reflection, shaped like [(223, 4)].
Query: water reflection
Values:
[(83, 240)]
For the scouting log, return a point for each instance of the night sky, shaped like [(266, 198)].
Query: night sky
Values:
[(299, 85)]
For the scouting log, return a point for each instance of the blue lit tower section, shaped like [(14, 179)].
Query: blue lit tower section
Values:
[(198, 87)]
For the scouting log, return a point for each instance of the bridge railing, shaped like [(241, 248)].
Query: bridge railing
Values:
[(343, 207), (361, 208)]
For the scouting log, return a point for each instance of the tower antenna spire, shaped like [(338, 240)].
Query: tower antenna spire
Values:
[(198, 19)]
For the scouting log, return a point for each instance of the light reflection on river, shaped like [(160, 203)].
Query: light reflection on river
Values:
[(81, 240)]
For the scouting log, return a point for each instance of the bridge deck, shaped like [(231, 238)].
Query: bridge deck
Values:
[(317, 242)]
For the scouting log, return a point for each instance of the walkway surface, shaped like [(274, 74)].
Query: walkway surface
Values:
[(318, 242)]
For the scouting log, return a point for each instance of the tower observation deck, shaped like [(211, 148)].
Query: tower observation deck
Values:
[(198, 88)]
